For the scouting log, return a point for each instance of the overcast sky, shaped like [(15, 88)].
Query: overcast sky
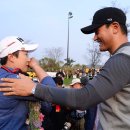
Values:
[(45, 22)]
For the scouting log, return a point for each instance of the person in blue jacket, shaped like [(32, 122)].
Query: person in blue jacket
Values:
[(14, 60)]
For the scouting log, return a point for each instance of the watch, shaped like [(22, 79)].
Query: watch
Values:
[(33, 89)]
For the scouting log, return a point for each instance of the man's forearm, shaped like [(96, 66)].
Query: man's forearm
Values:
[(40, 72), (75, 98)]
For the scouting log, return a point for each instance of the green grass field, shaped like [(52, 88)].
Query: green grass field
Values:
[(67, 81)]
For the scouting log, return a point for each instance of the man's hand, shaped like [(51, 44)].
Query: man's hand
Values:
[(20, 87), (37, 69), (33, 62)]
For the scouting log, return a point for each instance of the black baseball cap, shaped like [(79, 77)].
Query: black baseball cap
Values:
[(105, 16)]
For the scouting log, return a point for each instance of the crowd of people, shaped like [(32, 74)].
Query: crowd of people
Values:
[(59, 115), (99, 103)]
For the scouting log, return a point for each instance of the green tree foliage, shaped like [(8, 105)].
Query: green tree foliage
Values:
[(49, 64)]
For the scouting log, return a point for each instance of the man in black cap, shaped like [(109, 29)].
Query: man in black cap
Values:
[(110, 88)]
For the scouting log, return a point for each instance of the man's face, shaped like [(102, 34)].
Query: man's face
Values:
[(22, 61), (76, 85), (103, 36)]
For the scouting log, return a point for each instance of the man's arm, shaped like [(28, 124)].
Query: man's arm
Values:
[(113, 77), (46, 81), (41, 74)]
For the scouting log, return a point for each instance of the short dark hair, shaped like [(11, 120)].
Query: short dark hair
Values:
[(58, 80), (84, 80), (123, 28), (3, 60)]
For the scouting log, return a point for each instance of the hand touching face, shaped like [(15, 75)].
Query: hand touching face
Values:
[(33, 62)]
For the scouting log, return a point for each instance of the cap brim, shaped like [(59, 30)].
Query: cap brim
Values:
[(74, 83), (30, 47), (90, 29)]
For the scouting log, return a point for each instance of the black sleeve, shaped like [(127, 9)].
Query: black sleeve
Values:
[(112, 78)]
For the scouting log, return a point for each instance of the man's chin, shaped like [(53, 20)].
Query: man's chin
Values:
[(102, 50), (24, 71)]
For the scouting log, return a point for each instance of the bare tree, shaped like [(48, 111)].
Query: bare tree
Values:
[(54, 53), (93, 55), (51, 60)]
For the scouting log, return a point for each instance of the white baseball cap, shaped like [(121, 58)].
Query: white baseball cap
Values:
[(75, 80), (12, 44)]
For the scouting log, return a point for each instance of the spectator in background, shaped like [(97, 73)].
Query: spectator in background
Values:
[(84, 80), (76, 116), (60, 73), (55, 119), (59, 81)]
